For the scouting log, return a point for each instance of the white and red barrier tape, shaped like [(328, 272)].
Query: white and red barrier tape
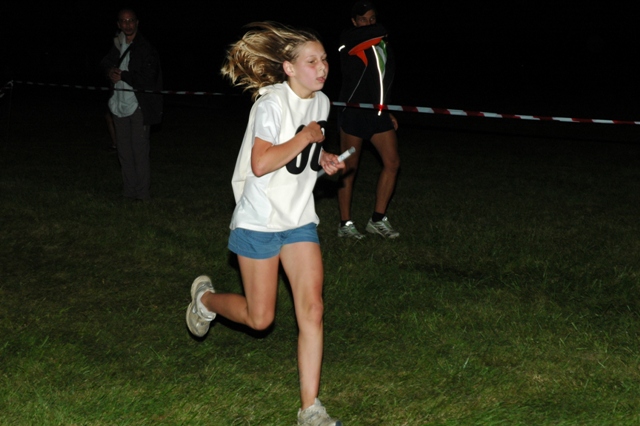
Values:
[(6, 88), (460, 112), (105, 89), (423, 110)]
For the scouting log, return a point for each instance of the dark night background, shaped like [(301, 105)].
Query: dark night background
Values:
[(524, 57)]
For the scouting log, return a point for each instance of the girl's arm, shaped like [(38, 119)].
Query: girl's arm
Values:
[(267, 157)]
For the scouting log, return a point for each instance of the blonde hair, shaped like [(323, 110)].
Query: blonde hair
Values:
[(256, 59)]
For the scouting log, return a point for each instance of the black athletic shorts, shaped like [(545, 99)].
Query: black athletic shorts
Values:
[(364, 123)]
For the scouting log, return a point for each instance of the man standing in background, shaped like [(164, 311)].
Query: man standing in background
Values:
[(133, 67), (368, 68)]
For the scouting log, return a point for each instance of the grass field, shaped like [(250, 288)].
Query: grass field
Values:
[(511, 297)]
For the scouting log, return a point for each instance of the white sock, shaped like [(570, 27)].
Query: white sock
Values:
[(201, 308)]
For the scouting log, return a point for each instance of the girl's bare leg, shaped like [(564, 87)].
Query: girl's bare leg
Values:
[(302, 262), (256, 308)]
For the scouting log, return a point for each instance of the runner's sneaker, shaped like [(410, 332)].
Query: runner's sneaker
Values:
[(383, 228), (349, 231), (198, 318), (316, 415)]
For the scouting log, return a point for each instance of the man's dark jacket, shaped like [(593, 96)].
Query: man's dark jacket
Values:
[(363, 78), (144, 73)]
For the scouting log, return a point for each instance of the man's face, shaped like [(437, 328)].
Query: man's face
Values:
[(128, 24), (369, 18)]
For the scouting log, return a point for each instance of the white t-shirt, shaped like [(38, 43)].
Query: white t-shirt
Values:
[(123, 103), (283, 199)]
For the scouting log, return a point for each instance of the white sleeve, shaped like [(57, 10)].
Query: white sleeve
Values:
[(267, 121)]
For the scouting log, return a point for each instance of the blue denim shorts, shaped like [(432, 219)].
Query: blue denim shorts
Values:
[(263, 245)]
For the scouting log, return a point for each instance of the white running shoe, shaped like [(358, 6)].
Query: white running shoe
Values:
[(383, 228), (198, 321), (349, 231), (316, 415)]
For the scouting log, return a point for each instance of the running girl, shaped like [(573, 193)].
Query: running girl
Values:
[(274, 221)]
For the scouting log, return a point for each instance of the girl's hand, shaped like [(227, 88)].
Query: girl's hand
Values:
[(330, 163), (313, 132)]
